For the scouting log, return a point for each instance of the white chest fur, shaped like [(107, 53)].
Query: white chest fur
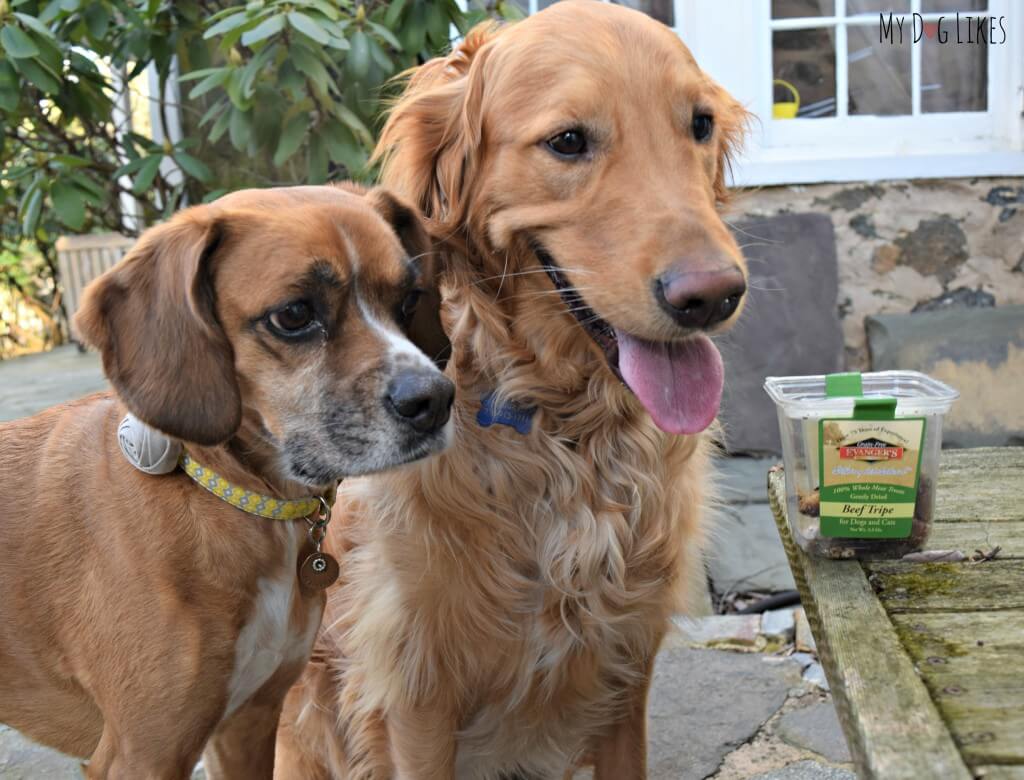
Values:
[(268, 639)]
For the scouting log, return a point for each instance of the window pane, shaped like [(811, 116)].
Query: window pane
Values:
[(804, 60), (879, 73), (877, 6), (954, 76), (934, 6), (789, 9), (662, 10)]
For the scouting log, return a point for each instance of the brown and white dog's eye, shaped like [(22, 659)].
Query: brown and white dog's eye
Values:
[(294, 319), (703, 124), (408, 308), (570, 143)]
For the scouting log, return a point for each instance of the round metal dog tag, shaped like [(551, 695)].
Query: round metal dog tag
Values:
[(318, 571)]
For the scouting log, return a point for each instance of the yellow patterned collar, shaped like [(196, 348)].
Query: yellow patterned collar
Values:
[(249, 501)]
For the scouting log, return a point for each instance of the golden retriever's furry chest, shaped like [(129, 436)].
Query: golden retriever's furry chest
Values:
[(535, 706), (550, 656), (525, 593)]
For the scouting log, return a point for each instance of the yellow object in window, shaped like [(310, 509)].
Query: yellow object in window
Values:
[(786, 109)]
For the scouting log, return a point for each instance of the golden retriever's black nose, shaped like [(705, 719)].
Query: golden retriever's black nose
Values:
[(421, 398), (700, 299)]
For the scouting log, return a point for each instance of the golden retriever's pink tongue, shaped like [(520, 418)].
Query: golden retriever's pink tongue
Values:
[(679, 383)]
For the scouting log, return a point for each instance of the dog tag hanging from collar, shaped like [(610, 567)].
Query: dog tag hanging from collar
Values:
[(320, 570)]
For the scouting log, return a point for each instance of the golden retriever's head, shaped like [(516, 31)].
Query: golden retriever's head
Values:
[(287, 313), (587, 140)]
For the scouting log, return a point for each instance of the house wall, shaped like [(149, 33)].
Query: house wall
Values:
[(903, 244)]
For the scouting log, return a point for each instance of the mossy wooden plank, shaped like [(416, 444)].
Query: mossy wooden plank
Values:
[(891, 724), (942, 611), (970, 536), (948, 587), (984, 484), (972, 664), (983, 458), (976, 498), (986, 724), (956, 502), (991, 772)]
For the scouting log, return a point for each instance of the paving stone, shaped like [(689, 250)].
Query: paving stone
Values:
[(804, 659), (705, 703), (815, 674), (815, 728), (744, 480), (790, 324), (778, 624), (746, 552), (979, 351), (22, 759), (807, 770), (804, 637), (32, 383), (739, 631)]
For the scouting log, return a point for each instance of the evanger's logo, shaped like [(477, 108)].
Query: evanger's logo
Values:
[(871, 450)]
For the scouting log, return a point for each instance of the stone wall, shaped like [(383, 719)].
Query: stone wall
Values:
[(906, 245)]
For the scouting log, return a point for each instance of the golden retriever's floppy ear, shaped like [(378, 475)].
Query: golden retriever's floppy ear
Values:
[(425, 329), (731, 120), (432, 138), (153, 319)]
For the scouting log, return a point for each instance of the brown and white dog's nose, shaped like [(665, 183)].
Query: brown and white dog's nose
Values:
[(700, 299), (422, 398)]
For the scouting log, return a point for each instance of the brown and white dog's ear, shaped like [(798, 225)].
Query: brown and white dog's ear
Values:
[(153, 319), (425, 328)]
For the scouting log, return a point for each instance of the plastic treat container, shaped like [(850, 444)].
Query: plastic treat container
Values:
[(862, 454)]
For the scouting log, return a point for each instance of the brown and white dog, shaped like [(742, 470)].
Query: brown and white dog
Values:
[(142, 616), (501, 606)]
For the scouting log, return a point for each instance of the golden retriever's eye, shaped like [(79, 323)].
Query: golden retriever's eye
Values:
[(292, 320), (703, 124), (571, 143), (409, 304)]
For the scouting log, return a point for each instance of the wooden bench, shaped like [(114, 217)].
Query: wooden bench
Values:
[(926, 660), (80, 259)]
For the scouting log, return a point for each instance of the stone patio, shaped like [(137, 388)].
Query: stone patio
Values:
[(755, 710), (718, 714), (32, 383), (746, 554)]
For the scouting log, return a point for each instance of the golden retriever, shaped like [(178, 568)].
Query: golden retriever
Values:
[(501, 606), (142, 616)]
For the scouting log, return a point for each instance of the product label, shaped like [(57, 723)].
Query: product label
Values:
[(869, 470)]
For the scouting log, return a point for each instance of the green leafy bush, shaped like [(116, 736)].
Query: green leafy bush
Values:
[(271, 92)]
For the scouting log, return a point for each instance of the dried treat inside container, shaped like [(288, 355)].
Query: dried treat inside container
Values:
[(839, 548), (861, 454), (809, 503)]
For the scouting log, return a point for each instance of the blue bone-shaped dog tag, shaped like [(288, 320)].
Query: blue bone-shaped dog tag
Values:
[(511, 414)]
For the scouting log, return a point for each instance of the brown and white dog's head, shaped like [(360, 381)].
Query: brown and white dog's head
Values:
[(297, 315), (587, 140)]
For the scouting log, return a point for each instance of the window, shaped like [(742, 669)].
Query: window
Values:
[(870, 89), (849, 90)]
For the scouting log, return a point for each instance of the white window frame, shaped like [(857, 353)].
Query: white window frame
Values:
[(732, 41)]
